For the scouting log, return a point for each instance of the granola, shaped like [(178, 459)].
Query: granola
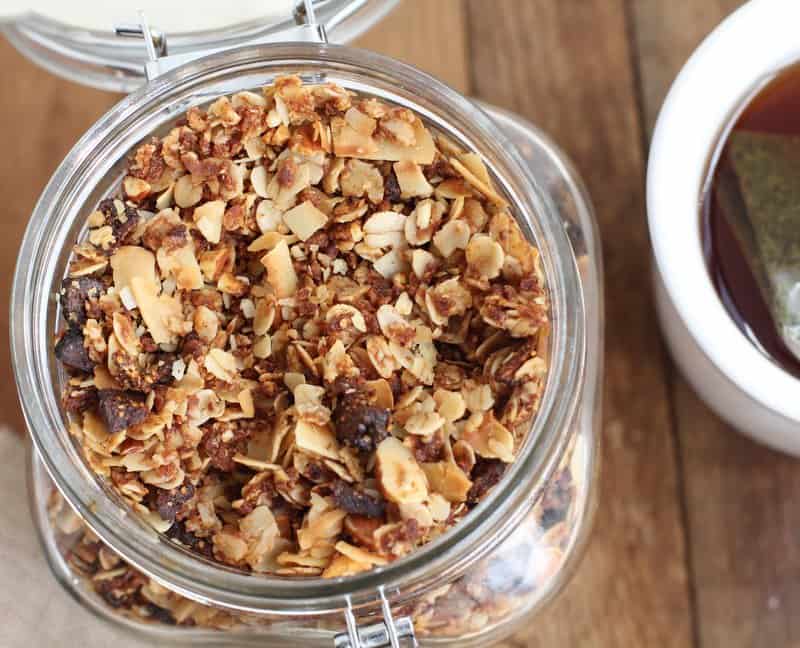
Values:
[(307, 336)]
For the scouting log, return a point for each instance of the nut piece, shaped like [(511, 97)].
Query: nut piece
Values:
[(280, 270), (400, 477)]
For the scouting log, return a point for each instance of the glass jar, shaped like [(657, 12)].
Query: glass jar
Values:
[(472, 586)]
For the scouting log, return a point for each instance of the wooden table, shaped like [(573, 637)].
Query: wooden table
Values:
[(697, 539)]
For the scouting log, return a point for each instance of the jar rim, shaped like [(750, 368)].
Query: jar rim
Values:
[(52, 226)]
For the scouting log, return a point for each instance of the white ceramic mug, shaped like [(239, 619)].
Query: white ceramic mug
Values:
[(735, 61)]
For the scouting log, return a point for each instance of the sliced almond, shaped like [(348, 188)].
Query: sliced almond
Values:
[(485, 256), (304, 220), (449, 404), (186, 192), (259, 178), (448, 480), (422, 262), (222, 365), (453, 236), (400, 477)]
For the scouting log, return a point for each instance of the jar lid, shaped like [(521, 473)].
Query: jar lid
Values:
[(85, 42)]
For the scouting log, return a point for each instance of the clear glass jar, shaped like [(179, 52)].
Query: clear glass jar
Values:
[(470, 587)]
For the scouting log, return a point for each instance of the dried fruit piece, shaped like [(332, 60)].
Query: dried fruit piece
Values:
[(359, 424), (75, 292), (357, 502), (71, 351), (120, 409)]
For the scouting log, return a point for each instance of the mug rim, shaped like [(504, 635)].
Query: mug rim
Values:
[(734, 62)]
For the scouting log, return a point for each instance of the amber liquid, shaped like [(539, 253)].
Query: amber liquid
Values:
[(775, 109)]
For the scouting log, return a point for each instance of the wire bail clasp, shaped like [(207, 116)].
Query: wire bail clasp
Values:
[(159, 61), (389, 633)]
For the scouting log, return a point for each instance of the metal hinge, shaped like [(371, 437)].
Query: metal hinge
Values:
[(159, 61), (389, 633)]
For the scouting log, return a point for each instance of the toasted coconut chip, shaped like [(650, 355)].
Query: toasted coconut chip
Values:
[(304, 220), (385, 222), (208, 218), (390, 264), (479, 184), (411, 180), (359, 555), (280, 270)]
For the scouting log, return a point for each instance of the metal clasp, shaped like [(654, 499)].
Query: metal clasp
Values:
[(159, 61), (389, 633)]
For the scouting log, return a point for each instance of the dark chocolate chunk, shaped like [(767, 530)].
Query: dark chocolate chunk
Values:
[(71, 352), (121, 409), (75, 292), (358, 423), (357, 502)]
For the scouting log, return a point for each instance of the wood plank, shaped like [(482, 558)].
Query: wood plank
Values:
[(42, 118), (428, 35), (566, 66), (744, 524)]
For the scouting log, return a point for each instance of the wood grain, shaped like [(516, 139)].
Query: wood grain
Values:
[(567, 66), (428, 35), (42, 117), (743, 523)]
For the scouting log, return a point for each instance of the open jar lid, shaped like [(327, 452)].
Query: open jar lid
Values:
[(86, 42)]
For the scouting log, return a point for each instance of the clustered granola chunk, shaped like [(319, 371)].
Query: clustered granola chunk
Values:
[(307, 337)]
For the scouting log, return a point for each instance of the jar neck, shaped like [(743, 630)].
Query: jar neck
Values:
[(94, 166)]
